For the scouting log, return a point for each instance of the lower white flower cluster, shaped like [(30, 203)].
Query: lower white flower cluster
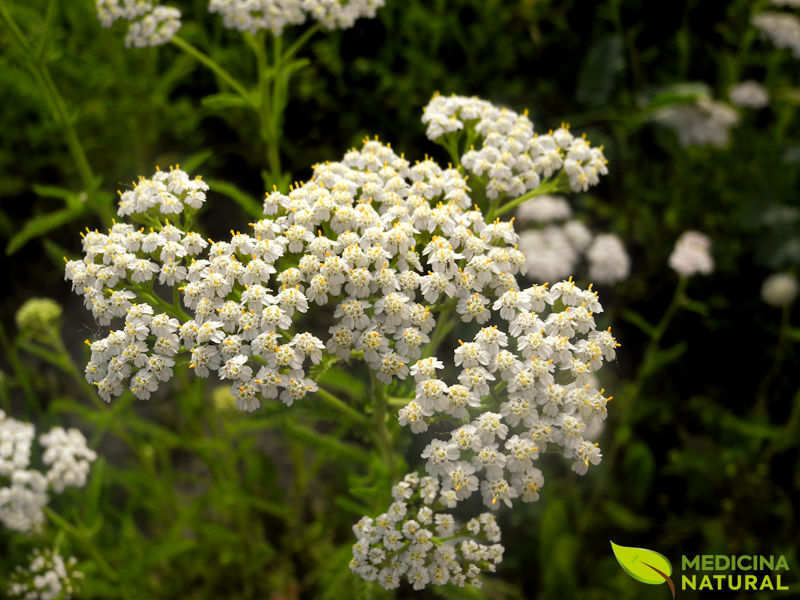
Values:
[(412, 540), (512, 157), (521, 390), (555, 246), (151, 25), (274, 15), (65, 454), (47, 577)]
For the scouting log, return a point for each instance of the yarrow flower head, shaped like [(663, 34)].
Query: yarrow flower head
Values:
[(151, 25), (67, 460), (390, 253), (274, 15), (512, 157), (48, 577), (692, 255), (749, 94), (779, 289), (781, 28), (702, 122)]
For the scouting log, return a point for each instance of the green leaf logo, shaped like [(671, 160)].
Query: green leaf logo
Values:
[(644, 565)]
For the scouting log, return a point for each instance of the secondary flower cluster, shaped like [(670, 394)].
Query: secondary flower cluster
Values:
[(782, 29), (692, 254), (274, 15), (512, 157), (749, 94), (555, 246), (413, 540), (151, 25), (47, 577), (65, 454), (703, 122)]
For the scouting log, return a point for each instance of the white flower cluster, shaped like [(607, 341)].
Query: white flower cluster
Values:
[(274, 15), (782, 29), (749, 94), (66, 455), (389, 251), (692, 255), (150, 25), (544, 209), (704, 122), (47, 577), (512, 156), (779, 289), (554, 251), (413, 540)]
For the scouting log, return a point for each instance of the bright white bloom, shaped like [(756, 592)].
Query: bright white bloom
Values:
[(109, 11), (782, 29), (608, 260), (779, 289), (274, 15), (512, 156), (47, 577), (692, 254), (749, 94)]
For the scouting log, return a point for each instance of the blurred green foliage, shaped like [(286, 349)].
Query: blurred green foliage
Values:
[(701, 445)]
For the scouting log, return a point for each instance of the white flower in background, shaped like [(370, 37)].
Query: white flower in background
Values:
[(155, 28), (692, 255), (549, 255), (749, 94), (512, 157), (274, 15), (47, 577), (789, 3), (704, 122), (782, 29), (608, 260), (67, 456), (109, 11), (779, 289), (22, 500), (151, 25), (544, 209)]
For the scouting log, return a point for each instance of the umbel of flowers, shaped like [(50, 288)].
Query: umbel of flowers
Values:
[(394, 254), (67, 460)]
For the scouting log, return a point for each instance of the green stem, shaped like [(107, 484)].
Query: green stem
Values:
[(382, 436), (54, 100), (555, 185), (213, 66), (85, 541), (444, 324), (763, 388), (342, 407)]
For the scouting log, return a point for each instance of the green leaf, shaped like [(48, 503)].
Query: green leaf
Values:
[(243, 199), (635, 318), (662, 358), (195, 160), (223, 101), (641, 563), (39, 226)]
